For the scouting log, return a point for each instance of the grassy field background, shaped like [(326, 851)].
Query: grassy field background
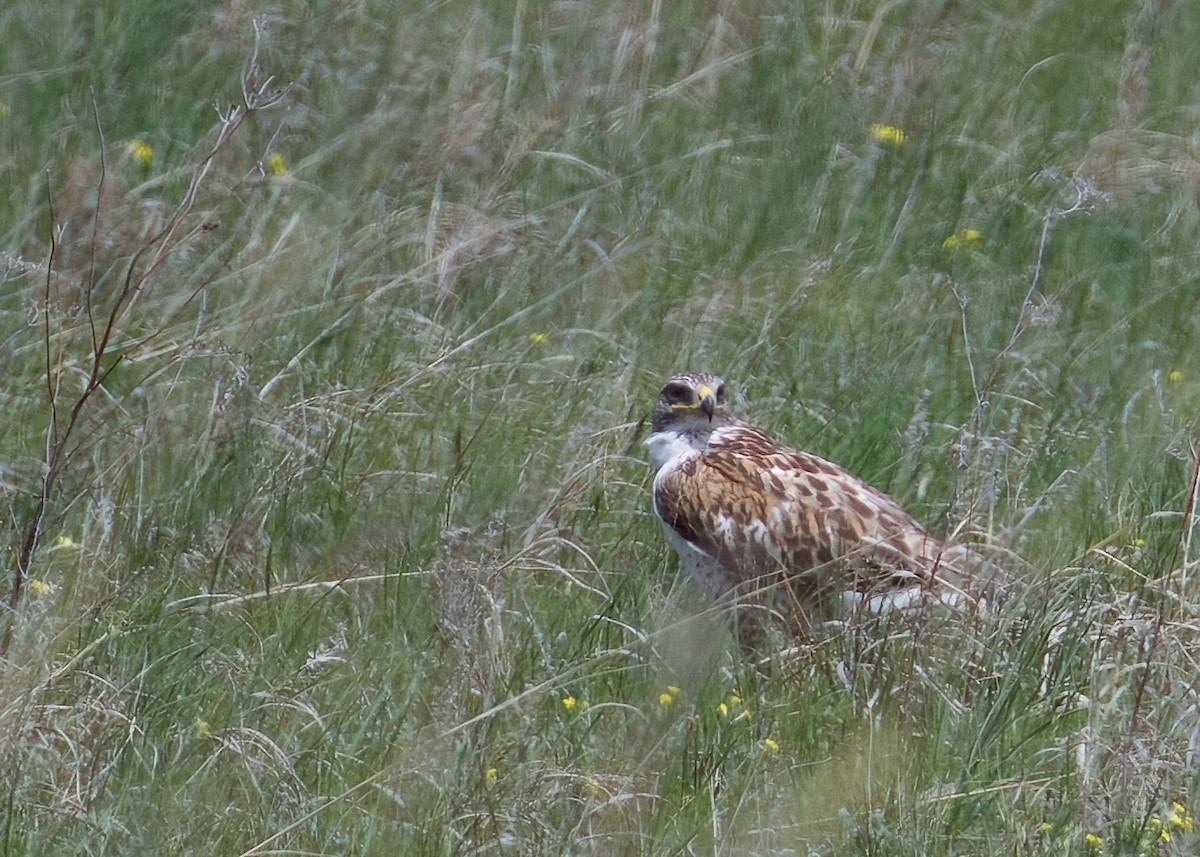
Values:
[(329, 331)]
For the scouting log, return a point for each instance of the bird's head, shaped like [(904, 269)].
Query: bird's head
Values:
[(689, 398)]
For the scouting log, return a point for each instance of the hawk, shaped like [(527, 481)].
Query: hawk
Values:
[(761, 524)]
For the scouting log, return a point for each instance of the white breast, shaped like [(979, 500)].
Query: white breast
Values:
[(703, 569), (665, 447)]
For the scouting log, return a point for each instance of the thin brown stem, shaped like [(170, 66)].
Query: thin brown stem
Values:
[(145, 262)]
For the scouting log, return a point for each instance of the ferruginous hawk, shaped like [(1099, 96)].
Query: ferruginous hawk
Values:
[(767, 526)]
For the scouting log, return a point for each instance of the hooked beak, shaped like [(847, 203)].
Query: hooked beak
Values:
[(708, 402)]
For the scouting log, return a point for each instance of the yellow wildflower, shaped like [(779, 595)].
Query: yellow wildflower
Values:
[(889, 135), (1093, 842), (770, 745), (490, 776), (963, 239), (1180, 818), (277, 166), (537, 338), (202, 728), (64, 542), (1045, 827), (726, 708), (1155, 825), (40, 588), (140, 151), (669, 695), (569, 702), (1175, 375)]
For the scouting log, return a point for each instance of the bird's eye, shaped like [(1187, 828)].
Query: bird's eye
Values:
[(677, 393), (721, 394)]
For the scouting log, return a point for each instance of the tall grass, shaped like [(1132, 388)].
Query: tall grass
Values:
[(347, 546)]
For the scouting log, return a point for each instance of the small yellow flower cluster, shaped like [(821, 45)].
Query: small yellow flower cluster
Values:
[(537, 339), (64, 542), (1093, 842), (490, 776), (1175, 376), (203, 730), (1154, 825), (41, 588), (277, 166), (732, 707), (668, 697), (570, 703), (770, 745), (889, 135), (140, 151), (1179, 821), (963, 239)]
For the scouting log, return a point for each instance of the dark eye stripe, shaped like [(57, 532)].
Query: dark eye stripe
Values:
[(677, 393)]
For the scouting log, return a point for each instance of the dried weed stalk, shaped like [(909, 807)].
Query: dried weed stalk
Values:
[(65, 412)]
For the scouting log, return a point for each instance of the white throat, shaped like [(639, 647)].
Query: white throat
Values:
[(666, 446)]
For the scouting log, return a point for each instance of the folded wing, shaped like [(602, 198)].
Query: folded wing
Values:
[(766, 512)]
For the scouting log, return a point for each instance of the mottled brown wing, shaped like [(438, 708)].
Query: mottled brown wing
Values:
[(763, 509)]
